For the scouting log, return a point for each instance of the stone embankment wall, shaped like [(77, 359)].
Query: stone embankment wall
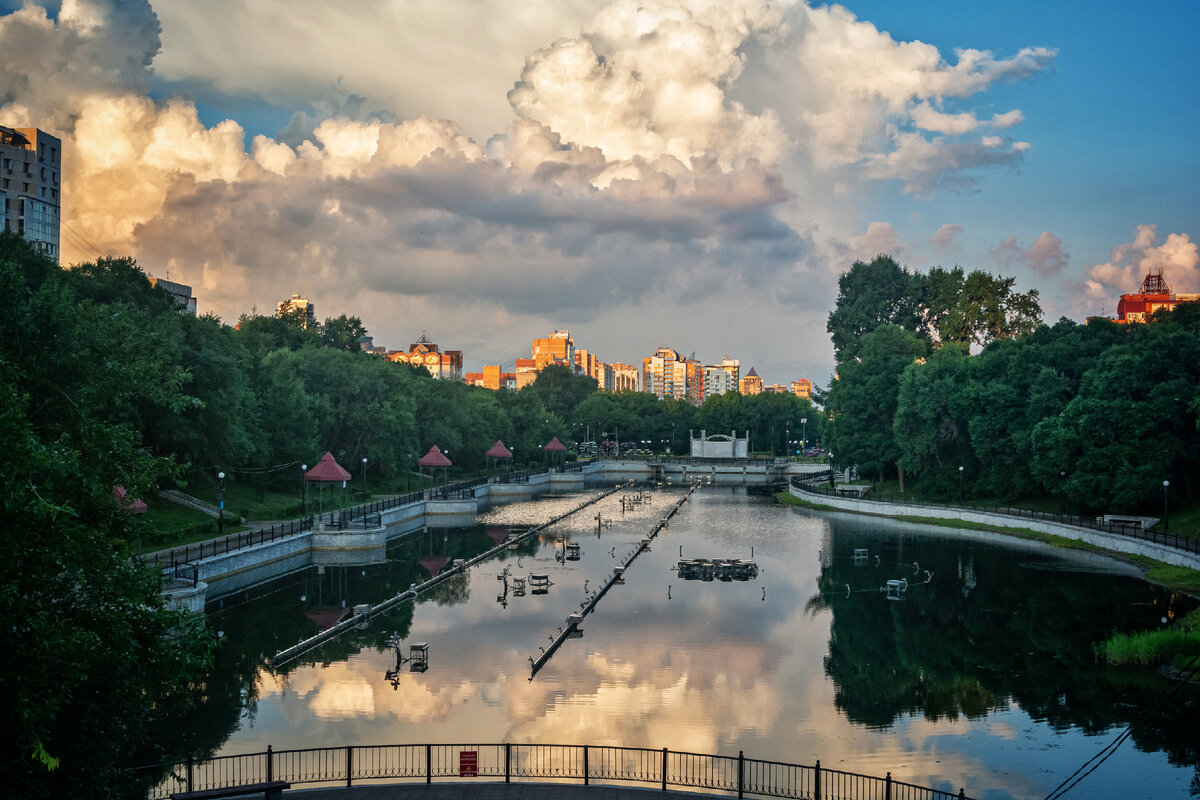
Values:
[(1107, 541)]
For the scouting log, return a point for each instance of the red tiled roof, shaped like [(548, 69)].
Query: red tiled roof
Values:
[(434, 458), (555, 446), (327, 470), (498, 450)]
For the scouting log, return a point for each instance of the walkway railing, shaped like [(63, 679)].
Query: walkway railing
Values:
[(173, 560), (363, 764), (1129, 530)]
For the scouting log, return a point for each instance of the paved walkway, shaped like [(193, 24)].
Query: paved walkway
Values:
[(492, 791)]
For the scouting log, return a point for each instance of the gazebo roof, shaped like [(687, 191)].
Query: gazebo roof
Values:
[(133, 506), (498, 450), (555, 446), (327, 470), (433, 564), (434, 458)]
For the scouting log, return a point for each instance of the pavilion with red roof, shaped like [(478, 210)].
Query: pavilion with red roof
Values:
[(498, 452), (326, 471), (435, 458)]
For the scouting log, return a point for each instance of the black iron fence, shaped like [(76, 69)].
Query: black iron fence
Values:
[(173, 560), (1132, 529), (179, 558), (539, 763)]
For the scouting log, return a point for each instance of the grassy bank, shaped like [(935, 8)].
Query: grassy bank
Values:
[(1177, 578), (1175, 646), (1183, 517)]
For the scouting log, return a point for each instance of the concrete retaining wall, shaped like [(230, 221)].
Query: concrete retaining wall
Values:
[(1107, 541)]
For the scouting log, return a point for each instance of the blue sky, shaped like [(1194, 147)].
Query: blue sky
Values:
[(677, 172)]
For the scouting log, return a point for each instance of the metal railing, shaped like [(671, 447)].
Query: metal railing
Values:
[(539, 763), (170, 561), (1116, 527)]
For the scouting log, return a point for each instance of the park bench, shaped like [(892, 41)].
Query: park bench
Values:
[(270, 790)]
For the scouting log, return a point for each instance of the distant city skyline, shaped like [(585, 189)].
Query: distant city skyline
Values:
[(686, 173)]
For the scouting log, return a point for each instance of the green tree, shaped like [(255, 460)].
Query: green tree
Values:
[(97, 667), (343, 333), (1130, 425), (561, 390), (931, 423), (871, 294), (977, 308), (863, 400)]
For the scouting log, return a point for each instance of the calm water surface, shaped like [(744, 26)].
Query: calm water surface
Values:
[(981, 675)]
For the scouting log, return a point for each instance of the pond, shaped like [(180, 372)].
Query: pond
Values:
[(975, 669)]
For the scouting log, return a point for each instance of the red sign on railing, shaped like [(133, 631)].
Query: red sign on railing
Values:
[(468, 763)]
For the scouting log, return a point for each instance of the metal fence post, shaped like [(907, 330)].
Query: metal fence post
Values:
[(887, 787), (428, 763), (270, 764), (585, 765), (349, 764), (507, 762), (190, 763), (817, 781), (664, 770), (741, 771)]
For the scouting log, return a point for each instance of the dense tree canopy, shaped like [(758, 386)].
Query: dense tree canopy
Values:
[(943, 307), (1099, 414), (96, 666)]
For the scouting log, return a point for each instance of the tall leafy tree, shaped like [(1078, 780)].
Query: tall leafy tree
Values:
[(870, 294), (561, 389), (977, 308), (864, 396), (343, 333), (96, 665), (931, 424)]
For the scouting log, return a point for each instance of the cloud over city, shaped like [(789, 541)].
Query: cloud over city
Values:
[(587, 162)]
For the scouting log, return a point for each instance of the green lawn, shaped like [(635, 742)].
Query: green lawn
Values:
[(173, 525)]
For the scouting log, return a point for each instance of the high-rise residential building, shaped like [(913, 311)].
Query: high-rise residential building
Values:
[(722, 378), (180, 293), (802, 388), (665, 374), (587, 364), (298, 305), (620, 377), (440, 363), (30, 170), (718, 381), (557, 348), (751, 384)]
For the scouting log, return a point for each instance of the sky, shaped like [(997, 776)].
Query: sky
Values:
[(687, 173)]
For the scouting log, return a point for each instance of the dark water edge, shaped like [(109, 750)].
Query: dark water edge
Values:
[(981, 674)]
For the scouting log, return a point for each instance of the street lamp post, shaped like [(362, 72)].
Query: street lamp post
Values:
[(221, 504), (1062, 488), (960, 485), (804, 432), (364, 463), (1165, 520), (304, 488)]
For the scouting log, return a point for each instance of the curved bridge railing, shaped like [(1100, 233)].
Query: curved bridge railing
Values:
[(374, 764)]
